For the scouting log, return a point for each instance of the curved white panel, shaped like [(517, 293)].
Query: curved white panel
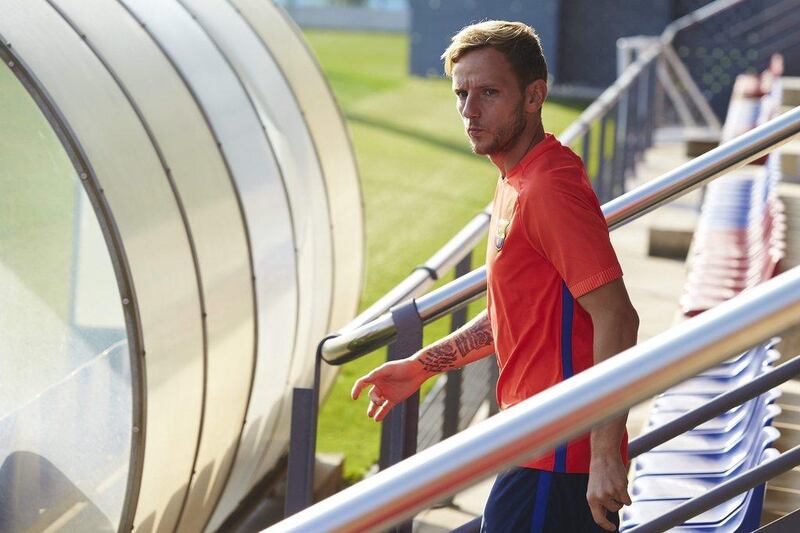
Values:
[(287, 48), (283, 120), (216, 224), (297, 62), (152, 229), (66, 396), (228, 197)]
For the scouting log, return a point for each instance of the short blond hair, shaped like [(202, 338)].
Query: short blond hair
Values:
[(518, 42)]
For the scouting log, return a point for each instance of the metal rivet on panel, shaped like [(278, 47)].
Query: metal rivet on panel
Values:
[(125, 301)]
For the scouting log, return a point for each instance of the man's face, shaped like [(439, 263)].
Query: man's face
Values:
[(489, 100)]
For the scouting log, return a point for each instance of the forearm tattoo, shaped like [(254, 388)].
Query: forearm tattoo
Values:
[(476, 336), (444, 357), (439, 358)]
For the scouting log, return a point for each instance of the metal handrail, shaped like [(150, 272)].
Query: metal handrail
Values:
[(715, 407), (424, 276), (628, 207), (569, 408), (696, 16), (606, 101)]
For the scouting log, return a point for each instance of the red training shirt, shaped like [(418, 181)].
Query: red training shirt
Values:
[(548, 245)]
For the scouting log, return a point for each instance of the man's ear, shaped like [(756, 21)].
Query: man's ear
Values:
[(535, 95)]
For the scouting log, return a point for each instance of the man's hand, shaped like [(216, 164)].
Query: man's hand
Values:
[(608, 487), (395, 381), (391, 383)]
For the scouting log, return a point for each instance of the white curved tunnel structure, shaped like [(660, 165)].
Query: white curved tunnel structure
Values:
[(180, 223)]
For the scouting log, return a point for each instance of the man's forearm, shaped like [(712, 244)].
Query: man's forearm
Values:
[(612, 335), (471, 342)]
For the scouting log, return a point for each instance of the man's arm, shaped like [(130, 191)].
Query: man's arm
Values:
[(471, 342), (395, 381), (615, 325)]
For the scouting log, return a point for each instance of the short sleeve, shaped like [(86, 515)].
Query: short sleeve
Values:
[(563, 221)]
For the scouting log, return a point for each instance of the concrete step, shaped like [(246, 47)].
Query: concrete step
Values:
[(790, 161), (790, 196), (790, 91)]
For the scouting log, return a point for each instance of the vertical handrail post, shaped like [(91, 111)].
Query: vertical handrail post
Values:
[(399, 428), (651, 108), (641, 115), (452, 387), (494, 375), (620, 141), (631, 142), (586, 149), (303, 443), (451, 415), (624, 58), (600, 178)]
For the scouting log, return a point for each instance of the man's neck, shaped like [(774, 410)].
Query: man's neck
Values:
[(505, 161)]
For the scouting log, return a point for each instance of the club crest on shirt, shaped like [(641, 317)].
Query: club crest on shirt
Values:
[(502, 231)]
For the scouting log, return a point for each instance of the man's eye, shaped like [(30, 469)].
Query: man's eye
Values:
[(461, 94), (489, 92)]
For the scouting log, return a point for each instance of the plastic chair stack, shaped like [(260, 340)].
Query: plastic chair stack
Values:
[(714, 452), (740, 237), (738, 244)]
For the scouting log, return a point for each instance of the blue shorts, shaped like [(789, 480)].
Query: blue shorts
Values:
[(536, 501)]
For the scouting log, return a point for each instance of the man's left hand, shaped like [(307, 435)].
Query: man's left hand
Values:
[(608, 488)]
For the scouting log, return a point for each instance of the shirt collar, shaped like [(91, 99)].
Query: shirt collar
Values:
[(515, 175)]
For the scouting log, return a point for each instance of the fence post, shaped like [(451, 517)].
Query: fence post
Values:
[(620, 138), (303, 444), (600, 178), (452, 388), (586, 149), (651, 107), (492, 396), (631, 141), (624, 59), (399, 428), (641, 115)]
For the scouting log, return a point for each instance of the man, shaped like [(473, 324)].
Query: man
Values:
[(556, 303)]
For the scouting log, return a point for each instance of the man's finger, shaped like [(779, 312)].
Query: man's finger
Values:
[(372, 408), (599, 515), (375, 401), (623, 497), (383, 411), (359, 385), (613, 505)]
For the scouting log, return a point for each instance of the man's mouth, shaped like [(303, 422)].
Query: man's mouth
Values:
[(473, 131)]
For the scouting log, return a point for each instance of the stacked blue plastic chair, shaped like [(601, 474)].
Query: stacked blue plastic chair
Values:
[(737, 245), (712, 453), (740, 235)]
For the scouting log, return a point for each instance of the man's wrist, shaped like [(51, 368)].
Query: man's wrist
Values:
[(605, 448), (605, 455), (423, 368)]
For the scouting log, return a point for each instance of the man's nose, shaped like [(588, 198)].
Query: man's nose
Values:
[(470, 108)]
